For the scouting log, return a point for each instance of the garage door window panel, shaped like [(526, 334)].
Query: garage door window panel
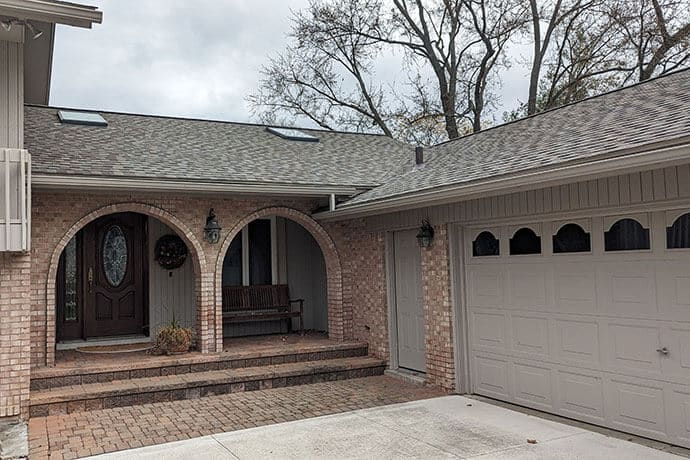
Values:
[(626, 235), (524, 242), (485, 245), (678, 234), (571, 238)]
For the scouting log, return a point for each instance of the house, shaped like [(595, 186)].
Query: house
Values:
[(552, 269)]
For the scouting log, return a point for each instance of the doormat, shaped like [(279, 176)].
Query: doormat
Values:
[(121, 348)]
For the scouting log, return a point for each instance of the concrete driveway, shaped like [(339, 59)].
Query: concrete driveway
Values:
[(446, 427)]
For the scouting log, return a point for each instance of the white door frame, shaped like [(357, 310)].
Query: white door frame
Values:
[(458, 301)]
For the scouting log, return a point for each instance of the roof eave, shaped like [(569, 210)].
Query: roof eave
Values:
[(524, 180), (116, 184), (58, 13)]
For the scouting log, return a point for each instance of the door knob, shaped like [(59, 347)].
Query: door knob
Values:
[(662, 350), (90, 276)]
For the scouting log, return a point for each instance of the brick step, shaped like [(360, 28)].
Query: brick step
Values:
[(157, 366), (86, 397)]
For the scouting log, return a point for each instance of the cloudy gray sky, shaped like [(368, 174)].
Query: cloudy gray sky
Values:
[(183, 58)]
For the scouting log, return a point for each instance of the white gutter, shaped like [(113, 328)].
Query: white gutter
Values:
[(59, 13), (49, 181), (525, 180)]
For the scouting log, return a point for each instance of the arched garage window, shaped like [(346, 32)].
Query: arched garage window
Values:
[(678, 234), (525, 241), (571, 238), (626, 235), (485, 244)]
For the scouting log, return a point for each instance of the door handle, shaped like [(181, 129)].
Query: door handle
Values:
[(662, 350), (90, 277)]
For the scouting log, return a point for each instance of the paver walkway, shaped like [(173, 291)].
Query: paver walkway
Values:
[(107, 430)]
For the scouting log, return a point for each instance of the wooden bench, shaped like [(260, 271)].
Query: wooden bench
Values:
[(261, 303)]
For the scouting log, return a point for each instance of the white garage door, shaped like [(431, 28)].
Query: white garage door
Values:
[(580, 319)]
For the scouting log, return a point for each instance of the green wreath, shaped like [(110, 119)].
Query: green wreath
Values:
[(170, 252)]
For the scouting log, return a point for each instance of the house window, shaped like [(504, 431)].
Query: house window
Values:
[(525, 241), (71, 281), (260, 260), (250, 259), (678, 234), (232, 265), (626, 235), (485, 244), (571, 238)]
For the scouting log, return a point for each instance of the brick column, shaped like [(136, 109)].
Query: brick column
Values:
[(438, 317), (15, 334)]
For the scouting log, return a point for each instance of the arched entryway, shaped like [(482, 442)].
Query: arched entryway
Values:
[(282, 246), (106, 279)]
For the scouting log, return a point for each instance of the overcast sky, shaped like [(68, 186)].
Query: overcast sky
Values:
[(183, 58)]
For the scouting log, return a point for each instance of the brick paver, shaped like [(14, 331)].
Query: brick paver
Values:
[(107, 430)]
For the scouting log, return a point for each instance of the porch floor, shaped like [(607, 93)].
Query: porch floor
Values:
[(69, 361)]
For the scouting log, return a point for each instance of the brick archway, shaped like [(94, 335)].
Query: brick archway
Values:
[(333, 268), (203, 298)]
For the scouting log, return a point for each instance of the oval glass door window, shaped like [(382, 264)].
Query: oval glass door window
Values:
[(115, 255)]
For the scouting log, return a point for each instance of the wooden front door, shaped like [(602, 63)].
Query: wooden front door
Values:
[(114, 275)]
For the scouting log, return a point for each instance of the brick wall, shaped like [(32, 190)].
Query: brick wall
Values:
[(355, 260), (364, 283), (438, 314), (58, 216), (15, 321)]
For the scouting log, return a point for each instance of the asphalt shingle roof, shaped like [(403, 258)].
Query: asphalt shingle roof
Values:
[(140, 146), (654, 111)]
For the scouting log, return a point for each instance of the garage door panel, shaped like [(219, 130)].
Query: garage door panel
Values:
[(530, 335), (581, 395), (633, 348), (533, 386), (583, 334), (577, 341), (637, 407), (489, 331), (677, 363), (528, 287), (491, 377), (673, 281), (575, 288), (627, 290), (679, 415), (485, 286)]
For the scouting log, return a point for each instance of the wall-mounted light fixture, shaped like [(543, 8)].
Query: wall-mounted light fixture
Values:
[(212, 229), (426, 234)]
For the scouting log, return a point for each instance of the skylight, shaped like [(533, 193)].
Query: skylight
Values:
[(73, 117), (292, 134)]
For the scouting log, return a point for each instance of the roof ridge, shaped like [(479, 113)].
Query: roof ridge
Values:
[(555, 109), (208, 120)]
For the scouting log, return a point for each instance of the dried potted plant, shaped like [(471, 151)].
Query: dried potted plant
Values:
[(173, 339)]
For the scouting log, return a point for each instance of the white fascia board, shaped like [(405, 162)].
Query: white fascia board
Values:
[(58, 13), (49, 181), (526, 180)]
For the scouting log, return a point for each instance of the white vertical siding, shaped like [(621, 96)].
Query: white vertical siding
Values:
[(170, 291), (659, 185), (11, 94), (306, 274)]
